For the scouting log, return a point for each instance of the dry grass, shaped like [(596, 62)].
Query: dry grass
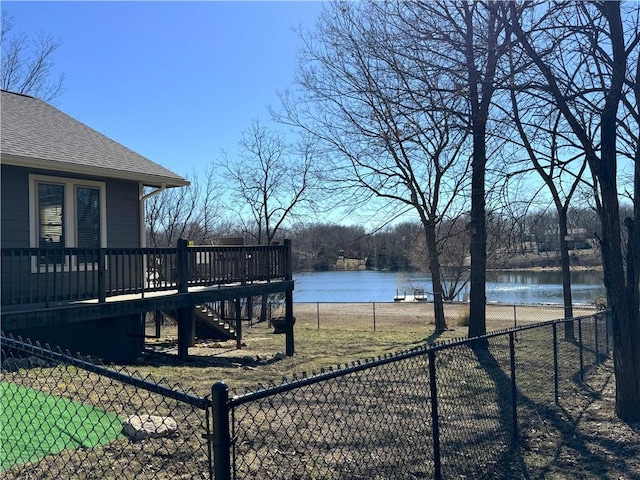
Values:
[(345, 334), (261, 361)]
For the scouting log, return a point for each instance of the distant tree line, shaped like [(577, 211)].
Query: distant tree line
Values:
[(319, 246), (402, 247)]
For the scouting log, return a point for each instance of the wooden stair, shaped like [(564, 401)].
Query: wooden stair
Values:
[(209, 325)]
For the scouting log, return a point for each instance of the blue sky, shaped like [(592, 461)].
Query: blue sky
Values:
[(174, 81)]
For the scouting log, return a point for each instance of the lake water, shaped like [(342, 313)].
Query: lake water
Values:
[(520, 287)]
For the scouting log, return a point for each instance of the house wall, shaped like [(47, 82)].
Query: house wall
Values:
[(116, 339), (123, 211), (122, 231), (14, 207), (123, 214)]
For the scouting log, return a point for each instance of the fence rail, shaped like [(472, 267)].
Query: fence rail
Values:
[(46, 276), (450, 410)]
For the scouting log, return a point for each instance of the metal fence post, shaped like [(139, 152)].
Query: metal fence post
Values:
[(374, 317), (437, 467), (514, 389), (318, 313), (595, 337), (580, 349), (555, 362), (221, 438)]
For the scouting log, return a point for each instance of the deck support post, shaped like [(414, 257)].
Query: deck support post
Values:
[(186, 330), (238, 308), (288, 322), (288, 300), (186, 315), (250, 310)]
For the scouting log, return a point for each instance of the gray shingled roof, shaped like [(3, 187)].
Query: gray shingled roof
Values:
[(38, 135)]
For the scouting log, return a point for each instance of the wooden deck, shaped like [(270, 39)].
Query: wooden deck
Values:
[(32, 276), (41, 290)]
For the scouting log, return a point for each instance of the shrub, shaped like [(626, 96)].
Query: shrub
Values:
[(463, 319), (600, 302)]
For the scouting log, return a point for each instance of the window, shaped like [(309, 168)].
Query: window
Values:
[(67, 213), (51, 221), (88, 217)]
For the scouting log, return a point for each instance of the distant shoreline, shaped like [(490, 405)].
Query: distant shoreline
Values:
[(576, 268), (573, 268)]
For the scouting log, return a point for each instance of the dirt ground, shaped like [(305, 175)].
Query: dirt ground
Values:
[(583, 439)]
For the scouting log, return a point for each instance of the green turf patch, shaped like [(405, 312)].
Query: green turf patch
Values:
[(34, 424)]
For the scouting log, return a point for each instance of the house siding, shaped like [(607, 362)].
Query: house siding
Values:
[(19, 285), (114, 339), (123, 215), (122, 218), (14, 207)]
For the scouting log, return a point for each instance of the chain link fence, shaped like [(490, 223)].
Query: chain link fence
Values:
[(71, 417), (452, 410), (394, 316)]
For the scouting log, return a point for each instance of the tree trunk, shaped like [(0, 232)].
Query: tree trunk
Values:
[(622, 294), (566, 273), (436, 281), (622, 299), (480, 93), (478, 277)]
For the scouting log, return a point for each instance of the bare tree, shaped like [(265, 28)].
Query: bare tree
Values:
[(455, 256), (194, 212), (390, 128), (467, 45), (601, 42), (550, 149), (27, 62), (270, 181)]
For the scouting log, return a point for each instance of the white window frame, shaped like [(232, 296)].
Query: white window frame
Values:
[(69, 218)]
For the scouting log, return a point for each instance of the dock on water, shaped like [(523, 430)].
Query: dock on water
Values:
[(418, 295)]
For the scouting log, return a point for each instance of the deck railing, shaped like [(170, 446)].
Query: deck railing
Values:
[(51, 276)]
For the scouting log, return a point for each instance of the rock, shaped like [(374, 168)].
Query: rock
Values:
[(248, 360), (279, 356), (12, 364), (140, 427)]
